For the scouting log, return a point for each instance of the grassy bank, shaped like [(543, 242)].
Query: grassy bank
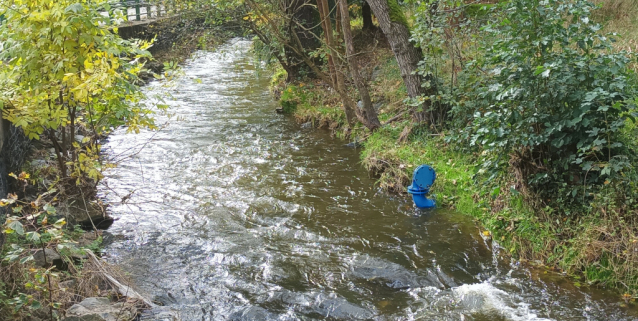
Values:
[(596, 245)]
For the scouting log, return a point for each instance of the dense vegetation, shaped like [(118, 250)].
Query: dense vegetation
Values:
[(526, 108)]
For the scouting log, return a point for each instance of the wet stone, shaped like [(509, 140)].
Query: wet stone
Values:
[(100, 309), (87, 216), (354, 145), (164, 299)]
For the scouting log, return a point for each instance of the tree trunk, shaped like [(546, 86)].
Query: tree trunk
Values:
[(394, 26), (338, 81), (59, 153), (367, 115), (322, 7), (366, 13), (302, 20)]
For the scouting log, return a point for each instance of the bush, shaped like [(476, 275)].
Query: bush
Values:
[(551, 100), (291, 98)]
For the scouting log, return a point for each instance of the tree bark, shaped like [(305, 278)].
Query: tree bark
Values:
[(367, 115), (407, 55)]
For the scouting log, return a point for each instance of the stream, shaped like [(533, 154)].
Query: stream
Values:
[(233, 212)]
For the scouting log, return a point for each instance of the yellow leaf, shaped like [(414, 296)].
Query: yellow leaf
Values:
[(88, 65), (486, 233)]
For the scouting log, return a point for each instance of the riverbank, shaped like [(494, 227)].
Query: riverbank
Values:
[(595, 247)]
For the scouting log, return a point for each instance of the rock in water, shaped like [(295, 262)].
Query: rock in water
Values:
[(47, 258), (76, 212), (354, 145), (100, 309)]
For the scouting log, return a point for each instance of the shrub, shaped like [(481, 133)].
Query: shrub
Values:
[(551, 100), (291, 98)]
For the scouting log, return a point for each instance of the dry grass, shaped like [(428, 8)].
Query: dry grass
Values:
[(390, 170), (608, 251), (80, 280), (621, 17)]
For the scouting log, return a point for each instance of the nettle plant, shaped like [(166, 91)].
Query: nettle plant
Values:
[(552, 98), (33, 226)]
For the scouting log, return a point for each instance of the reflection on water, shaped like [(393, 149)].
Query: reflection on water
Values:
[(236, 213)]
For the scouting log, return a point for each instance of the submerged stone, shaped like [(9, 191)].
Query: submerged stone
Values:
[(100, 309)]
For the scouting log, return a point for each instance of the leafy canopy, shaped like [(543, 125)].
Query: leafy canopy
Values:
[(63, 57)]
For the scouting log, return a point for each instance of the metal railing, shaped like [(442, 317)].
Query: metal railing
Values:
[(138, 10)]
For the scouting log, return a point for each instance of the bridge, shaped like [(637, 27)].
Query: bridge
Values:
[(139, 12)]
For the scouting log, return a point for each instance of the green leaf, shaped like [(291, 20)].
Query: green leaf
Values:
[(35, 305), (33, 237), (75, 8), (49, 209), (16, 226)]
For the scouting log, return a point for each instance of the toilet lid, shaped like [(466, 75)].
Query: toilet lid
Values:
[(424, 176)]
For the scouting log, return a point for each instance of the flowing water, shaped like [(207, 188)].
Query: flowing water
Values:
[(233, 212)]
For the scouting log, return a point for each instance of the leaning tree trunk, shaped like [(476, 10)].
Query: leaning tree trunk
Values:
[(367, 115), (395, 27), (324, 16), (367, 17), (337, 78)]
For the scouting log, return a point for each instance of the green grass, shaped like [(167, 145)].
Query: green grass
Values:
[(508, 218)]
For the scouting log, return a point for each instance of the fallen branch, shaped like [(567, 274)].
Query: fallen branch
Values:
[(121, 288), (395, 118)]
